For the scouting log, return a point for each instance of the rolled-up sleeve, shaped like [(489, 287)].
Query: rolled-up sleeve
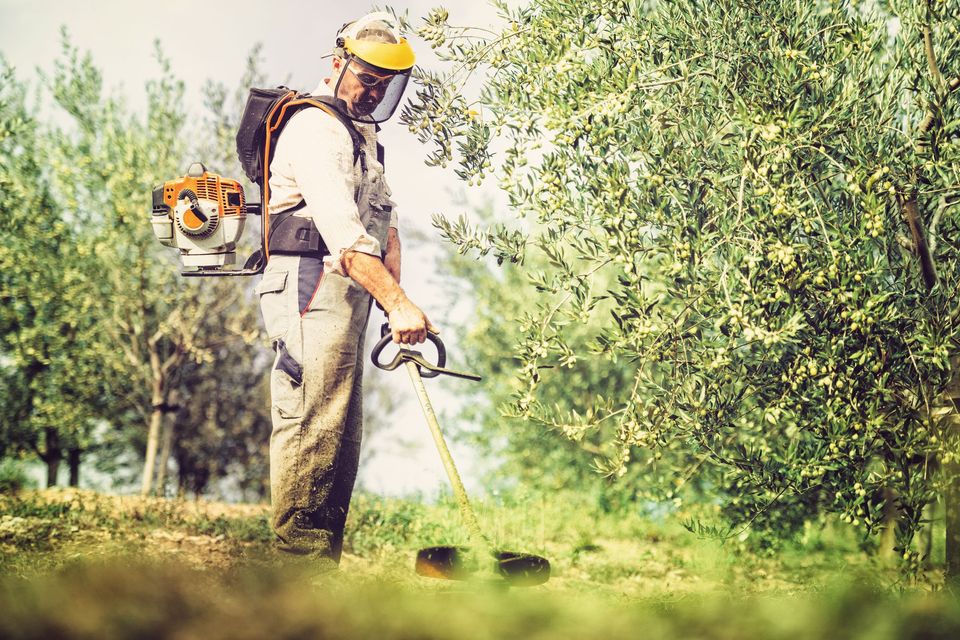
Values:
[(320, 156)]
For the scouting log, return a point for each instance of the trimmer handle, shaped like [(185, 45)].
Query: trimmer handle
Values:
[(426, 369), (405, 354)]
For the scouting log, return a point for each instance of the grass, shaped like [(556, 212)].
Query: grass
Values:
[(77, 564)]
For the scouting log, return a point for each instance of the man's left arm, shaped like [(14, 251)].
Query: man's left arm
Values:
[(391, 257)]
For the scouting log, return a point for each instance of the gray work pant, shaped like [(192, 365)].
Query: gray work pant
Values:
[(316, 322)]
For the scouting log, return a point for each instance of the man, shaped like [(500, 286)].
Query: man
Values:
[(315, 306)]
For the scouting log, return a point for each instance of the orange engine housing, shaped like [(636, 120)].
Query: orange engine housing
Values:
[(207, 186)]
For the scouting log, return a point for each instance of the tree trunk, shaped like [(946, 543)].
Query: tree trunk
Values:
[(52, 456), (153, 436), (158, 398), (165, 455), (73, 459), (951, 468), (53, 469), (888, 538), (925, 539)]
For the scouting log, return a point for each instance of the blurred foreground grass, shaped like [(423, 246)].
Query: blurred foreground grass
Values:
[(78, 564)]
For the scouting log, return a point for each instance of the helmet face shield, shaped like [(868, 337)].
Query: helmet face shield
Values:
[(370, 94)]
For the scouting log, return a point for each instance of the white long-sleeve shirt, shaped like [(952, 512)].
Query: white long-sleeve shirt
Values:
[(313, 161)]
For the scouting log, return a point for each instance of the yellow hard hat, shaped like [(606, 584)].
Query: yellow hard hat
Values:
[(375, 39), (386, 55)]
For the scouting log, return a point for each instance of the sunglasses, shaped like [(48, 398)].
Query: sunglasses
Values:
[(371, 80)]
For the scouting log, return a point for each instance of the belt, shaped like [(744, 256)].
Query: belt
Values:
[(293, 235)]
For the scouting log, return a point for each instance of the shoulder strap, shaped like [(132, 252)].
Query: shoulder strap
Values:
[(334, 110), (286, 108)]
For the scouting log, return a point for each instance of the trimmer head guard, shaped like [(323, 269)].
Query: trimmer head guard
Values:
[(457, 563)]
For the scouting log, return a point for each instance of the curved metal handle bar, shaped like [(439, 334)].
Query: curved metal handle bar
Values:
[(408, 354), (427, 369)]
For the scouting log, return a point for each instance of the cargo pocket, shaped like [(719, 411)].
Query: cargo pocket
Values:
[(273, 305), (286, 382)]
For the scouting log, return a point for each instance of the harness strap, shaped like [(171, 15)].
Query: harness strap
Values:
[(276, 121), (292, 234)]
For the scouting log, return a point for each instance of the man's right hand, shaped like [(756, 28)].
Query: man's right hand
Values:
[(409, 324)]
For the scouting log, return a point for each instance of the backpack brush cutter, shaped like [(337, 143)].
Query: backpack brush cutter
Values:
[(203, 214), (450, 562)]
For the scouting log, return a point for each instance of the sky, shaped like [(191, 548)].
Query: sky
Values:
[(211, 39)]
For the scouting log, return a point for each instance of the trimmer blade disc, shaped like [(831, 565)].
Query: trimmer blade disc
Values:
[(522, 569), (444, 563)]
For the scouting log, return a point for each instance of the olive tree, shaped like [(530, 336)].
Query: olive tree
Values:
[(539, 454), (104, 162), (770, 187), (50, 393)]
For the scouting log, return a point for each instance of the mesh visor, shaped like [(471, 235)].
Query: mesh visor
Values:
[(371, 94)]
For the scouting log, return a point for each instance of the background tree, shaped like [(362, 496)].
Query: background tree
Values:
[(746, 173), (550, 456), (50, 346), (102, 328)]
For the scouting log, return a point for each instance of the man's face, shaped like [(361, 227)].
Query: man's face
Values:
[(361, 87)]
